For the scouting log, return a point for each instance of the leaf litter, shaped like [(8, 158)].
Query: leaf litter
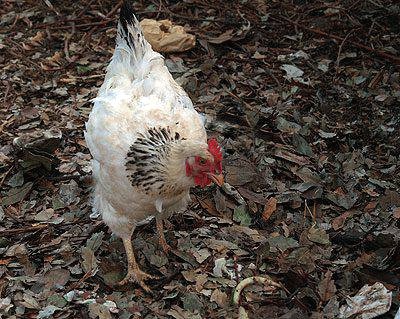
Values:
[(308, 114)]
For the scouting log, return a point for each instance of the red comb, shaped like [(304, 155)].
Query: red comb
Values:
[(215, 149)]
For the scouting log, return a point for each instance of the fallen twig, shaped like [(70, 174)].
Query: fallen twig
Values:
[(340, 50), (50, 5), (107, 19), (380, 53), (96, 24), (22, 230), (64, 178), (49, 24), (85, 9), (11, 167), (76, 284)]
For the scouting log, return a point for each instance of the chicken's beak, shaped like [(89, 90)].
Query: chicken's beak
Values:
[(217, 179)]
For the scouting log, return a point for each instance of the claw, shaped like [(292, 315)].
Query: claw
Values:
[(137, 276), (134, 274)]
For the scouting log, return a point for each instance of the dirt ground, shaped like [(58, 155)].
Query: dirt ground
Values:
[(304, 96)]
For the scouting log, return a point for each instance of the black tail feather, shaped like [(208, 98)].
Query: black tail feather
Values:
[(130, 30), (126, 15)]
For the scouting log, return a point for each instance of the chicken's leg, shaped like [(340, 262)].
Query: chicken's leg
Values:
[(134, 273), (161, 238)]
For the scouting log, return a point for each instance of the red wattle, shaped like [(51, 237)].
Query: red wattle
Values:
[(188, 169)]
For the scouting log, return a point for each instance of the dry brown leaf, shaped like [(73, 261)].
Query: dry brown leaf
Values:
[(370, 207), (27, 47), (339, 191), (220, 298), (38, 38), (226, 36), (396, 213), (361, 260), (201, 279), (326, 287), (209, 206), (371, 192), (56, 277), (89, 261), (272, 98), (55, 59), (391, 198), (294, 158), (258, 56), (166, 37), (5, 261), (339, 221), (270, 208)]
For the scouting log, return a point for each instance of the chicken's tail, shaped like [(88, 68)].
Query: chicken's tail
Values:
[(133, 54), (130, 35)]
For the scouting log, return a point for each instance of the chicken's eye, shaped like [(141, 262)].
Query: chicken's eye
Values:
[(202, 161)]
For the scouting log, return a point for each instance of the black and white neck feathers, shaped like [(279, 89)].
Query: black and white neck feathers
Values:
[(156, 160)]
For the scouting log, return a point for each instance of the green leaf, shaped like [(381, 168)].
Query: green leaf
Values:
[(302, 145), (16, 180), (57, 300), (191, 302), (47, 312), (281, 243), (82, 69), (286, 126), (241, 215)]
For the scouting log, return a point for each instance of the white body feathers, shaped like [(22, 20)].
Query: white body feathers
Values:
[(138, 93)]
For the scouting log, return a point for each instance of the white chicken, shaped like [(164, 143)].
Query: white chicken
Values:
[(148, 143)]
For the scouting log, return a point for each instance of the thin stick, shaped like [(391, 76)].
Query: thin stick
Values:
[(107, 18), (340, 50), (85, 8), (28, 229), (96, 24), (115, 9), (380, 53), (49, 24), (9, 170)]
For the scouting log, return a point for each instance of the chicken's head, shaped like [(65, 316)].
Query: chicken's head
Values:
[(208, 169)]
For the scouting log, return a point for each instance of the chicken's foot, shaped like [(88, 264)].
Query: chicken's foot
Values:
[(134, 273), (161, 238)]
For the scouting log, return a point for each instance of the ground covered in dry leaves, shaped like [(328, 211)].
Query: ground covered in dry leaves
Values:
[(304, 97)]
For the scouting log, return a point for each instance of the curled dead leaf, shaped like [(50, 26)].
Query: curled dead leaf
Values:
[(270, 208), (38, 38), (166, 37), (369, 302)]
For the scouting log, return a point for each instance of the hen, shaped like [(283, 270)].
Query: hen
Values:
[(148, 143)]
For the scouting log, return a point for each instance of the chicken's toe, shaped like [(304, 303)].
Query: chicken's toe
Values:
[(137, 276)]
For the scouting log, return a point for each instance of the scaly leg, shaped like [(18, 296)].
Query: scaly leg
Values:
[(134, 273), (161, 238)]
